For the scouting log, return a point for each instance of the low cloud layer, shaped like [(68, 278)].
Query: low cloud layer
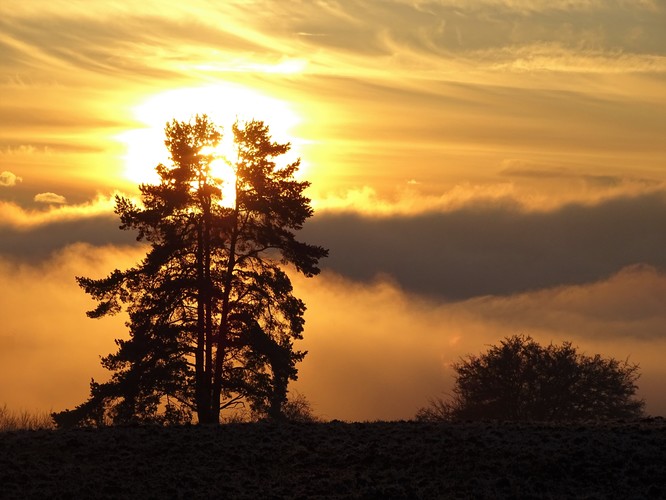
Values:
[(475, 248), (49, 349), (495, 249), (375, 352), (34, 235)]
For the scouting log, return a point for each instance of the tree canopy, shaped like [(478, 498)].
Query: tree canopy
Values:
[(521, 380), (212, 316)]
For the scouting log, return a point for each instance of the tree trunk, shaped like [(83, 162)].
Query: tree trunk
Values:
[(204, 352), (223, 332), (202, 395)]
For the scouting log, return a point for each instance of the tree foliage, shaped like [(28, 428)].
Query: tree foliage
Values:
[(521, 380), (212, 316)]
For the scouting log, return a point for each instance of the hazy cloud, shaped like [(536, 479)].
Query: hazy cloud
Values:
[(633, 300), (374, 351), (378, 352), (51, 198), (8, 179), (49, 349), (474, 246)]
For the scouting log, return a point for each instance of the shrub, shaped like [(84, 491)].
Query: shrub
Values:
[(521, 380)]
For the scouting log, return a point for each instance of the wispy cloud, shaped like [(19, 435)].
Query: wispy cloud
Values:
[(353, 36), (556, 58)]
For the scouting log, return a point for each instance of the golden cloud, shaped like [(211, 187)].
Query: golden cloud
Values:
[(8, 179), (15, 216), (50, 198)]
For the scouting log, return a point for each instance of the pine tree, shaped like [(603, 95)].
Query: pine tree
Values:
[(212, 316)]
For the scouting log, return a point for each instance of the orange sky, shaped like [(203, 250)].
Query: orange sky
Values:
[(517, 145)]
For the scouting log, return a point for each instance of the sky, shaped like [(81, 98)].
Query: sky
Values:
[(479, 169)]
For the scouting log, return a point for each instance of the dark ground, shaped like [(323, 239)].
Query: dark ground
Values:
[(339, 460)]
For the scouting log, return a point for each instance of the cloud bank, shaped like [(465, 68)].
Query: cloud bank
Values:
[(495, 249)]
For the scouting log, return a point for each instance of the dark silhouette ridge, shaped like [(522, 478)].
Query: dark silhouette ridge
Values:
[(212, 317), (393, 460), (520, 380)]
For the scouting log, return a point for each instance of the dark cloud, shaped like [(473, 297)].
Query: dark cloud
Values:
[(465, 253), (38, 243), (525, 170), (473, 251), (496, 250)]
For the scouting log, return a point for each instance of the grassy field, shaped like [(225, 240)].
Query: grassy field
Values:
[(339, 460)]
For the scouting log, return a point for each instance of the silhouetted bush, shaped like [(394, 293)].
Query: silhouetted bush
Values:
[(23, 420), (297, 408), (521, 380)]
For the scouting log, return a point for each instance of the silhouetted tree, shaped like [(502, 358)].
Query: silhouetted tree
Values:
[(521, 380), (212, 317)]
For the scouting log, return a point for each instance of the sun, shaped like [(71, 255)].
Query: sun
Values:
[(224, 103)]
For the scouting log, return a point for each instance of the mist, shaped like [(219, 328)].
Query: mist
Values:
[(375, 350)]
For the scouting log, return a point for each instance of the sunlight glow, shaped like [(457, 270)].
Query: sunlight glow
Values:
[(221, 169), (224, 103)]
